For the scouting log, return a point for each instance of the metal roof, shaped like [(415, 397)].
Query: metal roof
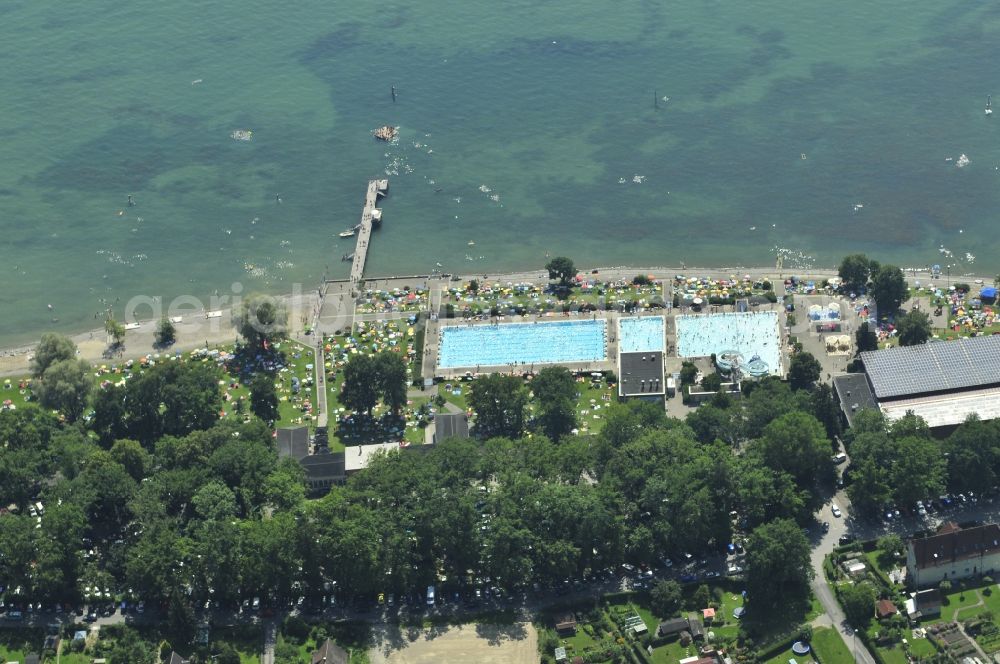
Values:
[(933, 367)]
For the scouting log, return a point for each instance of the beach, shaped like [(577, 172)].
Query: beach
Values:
[(336, 311)]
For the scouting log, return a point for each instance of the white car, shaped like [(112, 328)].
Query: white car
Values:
[(835, 510)]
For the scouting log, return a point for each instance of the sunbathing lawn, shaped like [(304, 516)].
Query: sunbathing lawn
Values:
[(830, 646)]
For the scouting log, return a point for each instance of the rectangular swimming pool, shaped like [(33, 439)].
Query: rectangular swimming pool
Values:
[(749, 334), (506, 344), (642, 334)]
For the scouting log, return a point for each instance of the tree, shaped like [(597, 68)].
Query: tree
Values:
[(711, 383), (855, 270), (859, 603), (796, 443), (136, 461), (499, 402), (888, 289), (778, 569), (552, 384), (65, 386), (561, 268), (390, 372), (360, 389), (914, 328), (865, 338), (889, 547), (701, 598), (264, 398), (261, 320), (689, 372), (823, 405), (557, 418), (115, 331), (666, 598), (555, 393), (803, 371), (51, 349), (166, 333)]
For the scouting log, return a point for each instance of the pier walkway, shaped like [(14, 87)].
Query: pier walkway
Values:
[(369, 216)]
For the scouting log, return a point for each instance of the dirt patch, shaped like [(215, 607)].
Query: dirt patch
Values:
[(484, 644)]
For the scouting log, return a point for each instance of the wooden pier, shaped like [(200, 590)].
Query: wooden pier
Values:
[(369, 217)]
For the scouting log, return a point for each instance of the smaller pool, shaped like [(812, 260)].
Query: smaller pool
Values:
[(641, 334)]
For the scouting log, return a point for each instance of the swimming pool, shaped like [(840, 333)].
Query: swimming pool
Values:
[(749, 334), (637, 335), (522, 343)]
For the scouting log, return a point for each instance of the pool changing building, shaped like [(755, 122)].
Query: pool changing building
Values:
[(641, 345)]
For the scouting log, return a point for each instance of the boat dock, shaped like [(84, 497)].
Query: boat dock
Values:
[(370, 216)]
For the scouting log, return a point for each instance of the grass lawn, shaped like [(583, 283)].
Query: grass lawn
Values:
[(461, 387), (248, 641), (787, 654), (893, 655), (673, 652), (830, 646), (15, 643), (960, 599), (992, 601), (921, 648)]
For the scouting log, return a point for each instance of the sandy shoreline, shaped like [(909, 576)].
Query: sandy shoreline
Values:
[(197, 330)]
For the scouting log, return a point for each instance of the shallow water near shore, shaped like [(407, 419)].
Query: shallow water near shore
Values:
[(525, 128)]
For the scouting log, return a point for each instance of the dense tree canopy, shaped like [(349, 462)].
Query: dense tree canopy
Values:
[(499, 403), (865, 339), (51, 349), (914, 328), (855, 271), (261, 320), (65, 386), (778, 569), (803, 371), (561, 268), (888, 289)]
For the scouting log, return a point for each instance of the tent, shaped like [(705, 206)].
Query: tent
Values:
[(989, 293)]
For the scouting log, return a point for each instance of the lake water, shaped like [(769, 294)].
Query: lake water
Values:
[(526, 127)]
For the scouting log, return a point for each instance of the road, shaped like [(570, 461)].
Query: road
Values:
[(270, 638), (823, 545)]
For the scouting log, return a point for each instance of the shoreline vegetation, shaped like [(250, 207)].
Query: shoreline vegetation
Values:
[(219, 330)]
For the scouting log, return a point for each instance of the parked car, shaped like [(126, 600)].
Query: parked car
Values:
[(835, 510)]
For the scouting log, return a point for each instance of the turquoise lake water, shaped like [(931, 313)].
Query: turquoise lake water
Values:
[(526, 127)]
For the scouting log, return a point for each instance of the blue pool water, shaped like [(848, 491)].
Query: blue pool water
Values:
[(750, 334), (636, 335), (522, 343)]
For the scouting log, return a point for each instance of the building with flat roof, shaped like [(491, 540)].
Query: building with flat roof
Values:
[(640, 375), (450, 425), (854, 394), (292, 442), (943, 382), (358, 457)]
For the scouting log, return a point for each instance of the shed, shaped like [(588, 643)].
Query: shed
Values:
[(32, 658), (697, 631), (884, 608), (566, 624), (672, 627)]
